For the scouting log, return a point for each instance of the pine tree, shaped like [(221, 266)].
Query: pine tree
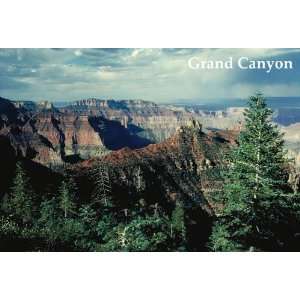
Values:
[(149, 233), (177, 225), (257, 199), (102, 188), (66, 197), (87, 215), (141, 233), (48, 212), (48, 224), (19, 204)]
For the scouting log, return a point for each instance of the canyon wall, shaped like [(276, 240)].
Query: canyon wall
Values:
[(93, 127)]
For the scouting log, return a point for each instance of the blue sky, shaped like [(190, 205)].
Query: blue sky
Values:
[(151, 74)]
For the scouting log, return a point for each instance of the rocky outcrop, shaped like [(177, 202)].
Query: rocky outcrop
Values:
[(28, 143), (185, 167), (69, 134), (52, 136), (40, 132)]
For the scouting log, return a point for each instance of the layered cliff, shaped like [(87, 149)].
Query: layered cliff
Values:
[(46, 135), (52, 136), (91, 127), (152, 121), (69, 134)]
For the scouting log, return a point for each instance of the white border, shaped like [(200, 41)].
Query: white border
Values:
[(156, 23), (152, 276), (149, 276)]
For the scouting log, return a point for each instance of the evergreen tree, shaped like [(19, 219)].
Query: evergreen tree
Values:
[(143, 234), (102, 187), (257, 200), (20, 202), (48, 224), (177, 226), (66, 196), (105, 231), (87, 215), (87, 219)]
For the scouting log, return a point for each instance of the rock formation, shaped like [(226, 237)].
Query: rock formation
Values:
[(185, 166), (92, 127)]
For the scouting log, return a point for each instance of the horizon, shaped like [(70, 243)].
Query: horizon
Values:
[(220, 104), (173, 101)]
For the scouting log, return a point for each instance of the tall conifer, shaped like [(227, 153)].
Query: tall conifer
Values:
[(19, 204), (257, 200)]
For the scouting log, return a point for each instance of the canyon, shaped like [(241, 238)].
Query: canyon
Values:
[(91, 128), (170, 144), (184, 168), (87, 128)]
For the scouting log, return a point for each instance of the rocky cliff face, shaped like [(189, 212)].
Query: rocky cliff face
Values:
[(48, 136), (69, 134), (185, 167), (52, 136), (145, 119), (91, 127), (155, 122), (181, 166)]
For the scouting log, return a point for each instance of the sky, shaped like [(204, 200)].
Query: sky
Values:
[(151, 74)]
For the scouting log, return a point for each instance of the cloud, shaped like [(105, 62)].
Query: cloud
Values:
[(78, 52), (152, 74)]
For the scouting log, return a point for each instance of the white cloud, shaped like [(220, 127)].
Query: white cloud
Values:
[(153, 74), (78, 52)]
